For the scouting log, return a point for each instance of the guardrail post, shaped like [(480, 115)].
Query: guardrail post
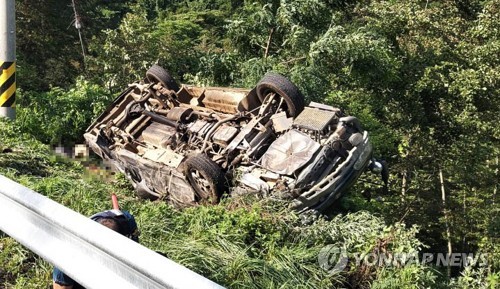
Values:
[(8, 59)]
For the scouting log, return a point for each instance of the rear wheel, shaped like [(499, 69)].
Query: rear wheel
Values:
[(158, 74), (206, 178), (290, 98)]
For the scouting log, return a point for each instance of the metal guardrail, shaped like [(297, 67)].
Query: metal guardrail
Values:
[(93, 255)]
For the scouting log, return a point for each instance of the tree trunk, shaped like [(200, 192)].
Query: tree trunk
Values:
[(496, 184), (268, 46), (466, 226), (404, 185), (446, 220)]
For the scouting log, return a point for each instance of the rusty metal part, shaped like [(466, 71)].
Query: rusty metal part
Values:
[(212, 130), (160, 119), (165, 156), (223, 100), (315, 119), (268, 102), (281, 122), (128, 108), (324, 107), (243, 133), (180, 114), (158, 134), (137, 124), (200, 127), (258, 143), (224, 135)]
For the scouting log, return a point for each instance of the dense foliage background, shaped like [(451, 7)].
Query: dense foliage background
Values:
[(423, 76)]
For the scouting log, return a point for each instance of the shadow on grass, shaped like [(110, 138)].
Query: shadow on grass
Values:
[(24, 164)]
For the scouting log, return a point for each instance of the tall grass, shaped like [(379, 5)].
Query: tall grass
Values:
[(241, 243)]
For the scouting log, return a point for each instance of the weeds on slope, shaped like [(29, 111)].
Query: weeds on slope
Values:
[(241, 243)]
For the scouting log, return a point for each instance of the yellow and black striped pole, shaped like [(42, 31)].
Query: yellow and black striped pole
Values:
[(7, 84), (7, 58)]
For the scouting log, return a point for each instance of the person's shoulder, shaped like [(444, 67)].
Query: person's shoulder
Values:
[(61, 278)]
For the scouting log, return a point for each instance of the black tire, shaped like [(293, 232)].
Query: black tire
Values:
[(206, 178), (160, 75), (273, 82)]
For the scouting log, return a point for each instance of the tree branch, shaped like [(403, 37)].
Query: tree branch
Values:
[(266, 52), (293, 59)]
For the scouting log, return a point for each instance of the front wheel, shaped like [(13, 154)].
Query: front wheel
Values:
[(158, 74), (206, 178), (291, 100)]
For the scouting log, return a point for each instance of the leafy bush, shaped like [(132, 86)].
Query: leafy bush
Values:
[(475, 278), (59, 115)]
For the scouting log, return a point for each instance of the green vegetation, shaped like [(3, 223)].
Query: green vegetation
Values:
[(241, 243), (423, 77), (60, 115)]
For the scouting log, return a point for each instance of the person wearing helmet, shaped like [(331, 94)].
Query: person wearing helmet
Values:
[(120, 221)]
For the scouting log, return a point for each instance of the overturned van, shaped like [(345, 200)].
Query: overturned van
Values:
[(191, 145)]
